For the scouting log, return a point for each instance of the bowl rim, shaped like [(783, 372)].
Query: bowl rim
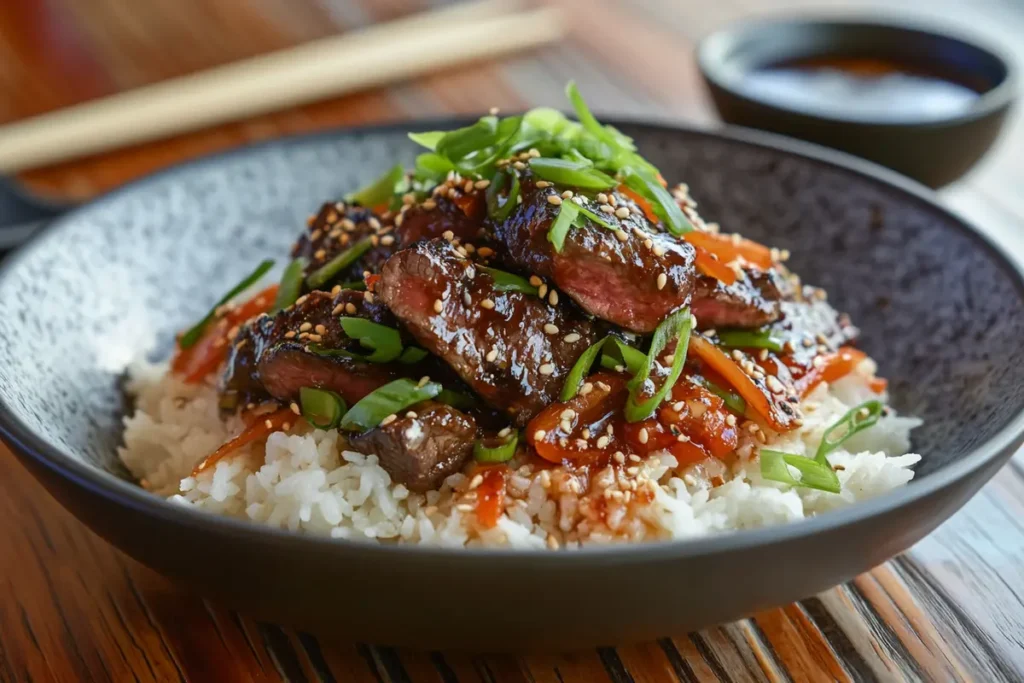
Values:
[(120, 492), (712, 67)]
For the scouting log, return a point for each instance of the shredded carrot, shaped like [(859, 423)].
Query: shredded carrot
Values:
[(712, 267), (641, 202), (371, 282), (739, 380), (258, 429), (726, 249), (835, 366), (878, 384), (490, 494)]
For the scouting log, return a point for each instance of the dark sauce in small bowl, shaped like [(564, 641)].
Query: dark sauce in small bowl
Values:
[(862, 87)]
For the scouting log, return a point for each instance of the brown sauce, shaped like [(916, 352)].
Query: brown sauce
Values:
[(861, 88)]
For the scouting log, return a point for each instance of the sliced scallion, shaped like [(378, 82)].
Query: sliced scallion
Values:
[(733, 401), (567, 214), (813, 474), (509, 282), (497, 209), (328, 271), (663, 204), (196, 331), (457, 399), (856, 420), (749, 339), (676, 326), (500, 453), (428, 139), (358, 285), (622, 355), (384, 341), (584, 211), (291, 285), (573, 173), (323, 409), (412, 354), (389, 399), (380, 190), (580, 369), (462, 142)]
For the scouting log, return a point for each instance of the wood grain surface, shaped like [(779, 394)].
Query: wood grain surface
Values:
[(74, 609)]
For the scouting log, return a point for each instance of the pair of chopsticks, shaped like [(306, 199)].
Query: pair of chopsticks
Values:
[(313, 71)]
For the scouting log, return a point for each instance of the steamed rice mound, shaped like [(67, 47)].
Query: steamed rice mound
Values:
[(310, 481)]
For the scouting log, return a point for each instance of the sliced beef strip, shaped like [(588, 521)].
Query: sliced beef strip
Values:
[(752, 301), (336, 228), (449, 210), (271, 356), (513, 349), (423, 446), (634, 276)]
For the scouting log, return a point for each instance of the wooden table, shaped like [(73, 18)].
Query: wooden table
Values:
[(73, 608)]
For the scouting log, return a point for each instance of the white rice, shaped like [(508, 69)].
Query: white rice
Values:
[(307, 480)]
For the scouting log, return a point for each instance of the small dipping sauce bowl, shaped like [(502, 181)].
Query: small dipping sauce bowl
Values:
[(920, 101)]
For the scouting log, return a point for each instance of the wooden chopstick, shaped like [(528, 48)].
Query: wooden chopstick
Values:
[(312, 71)]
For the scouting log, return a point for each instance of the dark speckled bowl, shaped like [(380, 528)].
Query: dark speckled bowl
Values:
[(941, 309)]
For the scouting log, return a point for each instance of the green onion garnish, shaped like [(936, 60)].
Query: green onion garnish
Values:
[(749, 339), (291, 286), (733, 401), (856, 420), (358, 285), (622, 355), (606, 134), (389, 399), (580, 369), (663, 204), (596, 218), (328, 271), (429, 139), (457, 399), (567, 214), (412, 354), (496, 209), (459, 143), (676, 326), (384, 341), (813, 474), (432, 167), (574, 173), (500, 453), (509, 282), (380, 190), (196, 331), (321, 408)]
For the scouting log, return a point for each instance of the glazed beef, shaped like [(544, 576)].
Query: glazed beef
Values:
[(423, 446), (271, 356), (633, 276), (450, 209), (513, 349), (335, 229), (752, 301)]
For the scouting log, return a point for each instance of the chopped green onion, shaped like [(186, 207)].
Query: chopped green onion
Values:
[(574, 173), (412, 354), (676, 326), (622, 355), (580, 369), (456, 399), (663, 204), (384, 341), (584, 211), (321, 408), (196, 331), (500, 453), (432, 167), (482, 161), (380, 190), (749, 339), (358, 285), (389, 399), (813, 474), (497, 210), (733, 401), (567, 213), (291, 285), (328, 271), (606, 134), (458, 144), (856, 420), (428, 139), (508, 282)]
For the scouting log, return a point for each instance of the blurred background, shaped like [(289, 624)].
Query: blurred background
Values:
[(630, 58)]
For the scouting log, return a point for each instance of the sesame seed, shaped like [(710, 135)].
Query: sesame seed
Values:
[(552, 542), (315, 337), (368, 297), (542, 184), (547, 369), (621, 235), (536, 281), (290, 334), (678, 406), (423, 381), (429, 204), (670, 358), (730, 420), (602, 442), (485, 251), (567, 194), (491, 355), (642, 436), (659, 250), (268, 424), (335, 290), (301, 300), (553, 298), (602, 198), (448, 235), (412, 414), (662, 280), (519, 166), (476, 481), (388, 240), (648, 243), (605, 208), (619, 457), (295, 408), (566, 426), (539, 435), (603, 387), (350, 308), (633, 457), (438, 305), (550, 329), (571, 338), (586, 389), (487, 303), (320, 329), (388, 420), (622, 212), (542, 290), (481, 184), (305, 327), (468, 187), (554, 199), (586, 433)]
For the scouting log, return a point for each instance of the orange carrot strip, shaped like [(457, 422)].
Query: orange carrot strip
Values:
[(727, 250), (834, 366), (641, 202), (713, 267), (259, 429), (491, 495)]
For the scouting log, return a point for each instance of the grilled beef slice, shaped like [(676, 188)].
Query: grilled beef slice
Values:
[(513, 349), (335, 229), (751, 301)]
